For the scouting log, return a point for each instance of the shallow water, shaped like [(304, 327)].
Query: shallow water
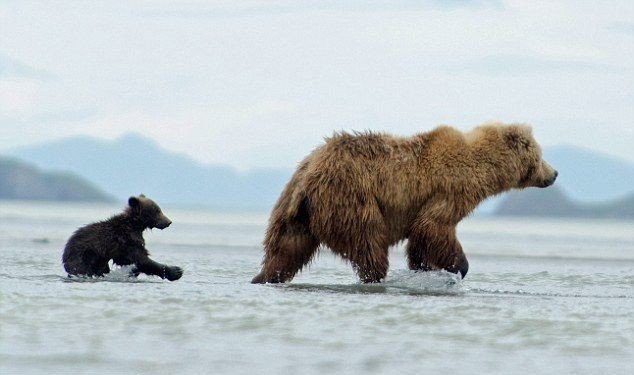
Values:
[(542, 296)]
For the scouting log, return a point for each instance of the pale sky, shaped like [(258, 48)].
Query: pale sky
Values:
[(259, 83)]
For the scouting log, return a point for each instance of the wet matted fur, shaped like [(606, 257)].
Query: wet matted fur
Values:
[(359, 193)]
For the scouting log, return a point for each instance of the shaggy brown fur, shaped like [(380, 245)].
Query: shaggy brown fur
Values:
[(119, 239), (360, 193)]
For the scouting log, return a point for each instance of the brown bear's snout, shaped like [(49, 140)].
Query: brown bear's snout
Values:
[(549, 180), (163, 223), (546, 176), (552, 179)]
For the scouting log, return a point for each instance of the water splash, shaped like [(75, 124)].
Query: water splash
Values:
[(121, 274), (426, 283), (434, 283)]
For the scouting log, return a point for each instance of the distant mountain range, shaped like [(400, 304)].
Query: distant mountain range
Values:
[(590, 176), (586, 179), (19, 180), (553, 202), (134, 164)]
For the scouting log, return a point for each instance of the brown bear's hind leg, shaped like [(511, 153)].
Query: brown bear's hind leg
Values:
[(285, 255), (368, 250), (368, 254)]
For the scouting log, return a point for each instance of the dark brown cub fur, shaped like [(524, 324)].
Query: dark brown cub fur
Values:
[(119, 239)]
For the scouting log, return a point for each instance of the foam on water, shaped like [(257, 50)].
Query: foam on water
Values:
[(428, 283), (117, 274), (436, 283)]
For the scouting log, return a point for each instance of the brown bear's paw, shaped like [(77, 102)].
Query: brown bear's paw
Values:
[(173, 273), (258, 279), (277, 278), (134, 272)]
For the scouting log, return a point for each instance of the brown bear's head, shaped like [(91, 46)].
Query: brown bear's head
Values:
[(147, 212), (530, 170)]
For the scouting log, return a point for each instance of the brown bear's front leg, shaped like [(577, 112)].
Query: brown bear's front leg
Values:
[(433, 246), (144, 264)]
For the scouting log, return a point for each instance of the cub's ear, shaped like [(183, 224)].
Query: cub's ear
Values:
[(518, 137), (133, 202)]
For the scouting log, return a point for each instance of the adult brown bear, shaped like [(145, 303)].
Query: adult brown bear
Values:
[(360, 193)]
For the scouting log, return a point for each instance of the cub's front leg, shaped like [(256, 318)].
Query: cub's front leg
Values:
[(143, 264)]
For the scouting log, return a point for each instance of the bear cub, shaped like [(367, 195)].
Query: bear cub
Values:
[(119, 238)]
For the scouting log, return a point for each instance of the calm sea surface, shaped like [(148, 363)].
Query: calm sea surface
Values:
[(542, 296)]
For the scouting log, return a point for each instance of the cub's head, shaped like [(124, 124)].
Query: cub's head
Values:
[(147, 212), (530, 170)]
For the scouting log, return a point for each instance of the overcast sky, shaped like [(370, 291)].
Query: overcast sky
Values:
[(258, 83)]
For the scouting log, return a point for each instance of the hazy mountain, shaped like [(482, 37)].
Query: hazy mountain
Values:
[(133, 164), (19, 180), (587, 175), (553, 202), (584, 176)]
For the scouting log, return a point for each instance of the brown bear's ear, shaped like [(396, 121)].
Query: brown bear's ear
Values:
[(517, 137), (133, 202), (141, 196)]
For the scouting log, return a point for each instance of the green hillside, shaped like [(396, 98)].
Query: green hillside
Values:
[(22, 181)]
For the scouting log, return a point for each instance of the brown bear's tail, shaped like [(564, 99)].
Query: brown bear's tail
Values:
[(292, 205), (288, 243)]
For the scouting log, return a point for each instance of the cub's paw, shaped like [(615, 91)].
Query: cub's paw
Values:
[(173, 273), (134, 272)]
